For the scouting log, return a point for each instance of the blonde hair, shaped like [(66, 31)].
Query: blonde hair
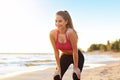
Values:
[(66, 16)]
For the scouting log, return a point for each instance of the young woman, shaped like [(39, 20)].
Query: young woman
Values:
[(64, 39)]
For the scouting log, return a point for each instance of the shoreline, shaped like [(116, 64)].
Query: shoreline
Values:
[(102, 52), (105, 72), (39, 74), (86, 66)]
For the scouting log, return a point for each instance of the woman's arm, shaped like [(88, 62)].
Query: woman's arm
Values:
[(73, 39), (56, 52)]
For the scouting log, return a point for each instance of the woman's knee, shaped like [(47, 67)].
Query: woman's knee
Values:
[(57, 77)]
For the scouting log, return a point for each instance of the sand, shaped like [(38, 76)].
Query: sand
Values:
[(110, 71)]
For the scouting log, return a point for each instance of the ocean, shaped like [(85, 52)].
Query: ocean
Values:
[(18, 63)]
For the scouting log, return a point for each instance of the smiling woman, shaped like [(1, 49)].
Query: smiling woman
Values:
[(65, 39)]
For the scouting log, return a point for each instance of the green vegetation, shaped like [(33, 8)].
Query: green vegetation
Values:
[(113, 46)]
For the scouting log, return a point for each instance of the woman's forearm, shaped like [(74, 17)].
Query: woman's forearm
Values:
[(57, 60), (75, 59)]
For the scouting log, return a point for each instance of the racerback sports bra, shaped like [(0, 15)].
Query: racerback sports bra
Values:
[(63, 46)]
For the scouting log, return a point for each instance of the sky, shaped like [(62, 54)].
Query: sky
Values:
[(25, 24)]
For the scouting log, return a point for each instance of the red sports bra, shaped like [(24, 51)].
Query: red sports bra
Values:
[(63, 46)]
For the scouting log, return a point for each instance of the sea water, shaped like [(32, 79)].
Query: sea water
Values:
[(18, 63)]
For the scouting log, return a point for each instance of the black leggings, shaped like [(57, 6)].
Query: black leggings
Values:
[(66, 60)]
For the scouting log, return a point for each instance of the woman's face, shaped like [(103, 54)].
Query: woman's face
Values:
[(60, 22)]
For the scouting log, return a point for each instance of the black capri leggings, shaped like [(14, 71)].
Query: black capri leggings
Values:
[(66, 60)]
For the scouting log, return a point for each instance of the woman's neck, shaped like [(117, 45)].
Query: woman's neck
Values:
[(63, 30)]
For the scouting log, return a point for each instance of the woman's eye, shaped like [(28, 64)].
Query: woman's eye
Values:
[(60, 20), (55, 20)]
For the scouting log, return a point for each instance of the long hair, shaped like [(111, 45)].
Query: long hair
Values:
[(66, 16)]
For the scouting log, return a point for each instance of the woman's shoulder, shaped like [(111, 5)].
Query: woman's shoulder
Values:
[(70, 31), (53, 32)]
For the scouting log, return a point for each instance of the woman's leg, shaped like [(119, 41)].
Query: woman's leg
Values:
[(65, 62), (80, 60), (80, 64)]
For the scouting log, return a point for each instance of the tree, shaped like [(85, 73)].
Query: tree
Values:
[(93, 47), (103, 47), (108, 45), (116, 45)]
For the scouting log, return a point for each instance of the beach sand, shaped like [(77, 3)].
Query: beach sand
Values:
[(110, 71)]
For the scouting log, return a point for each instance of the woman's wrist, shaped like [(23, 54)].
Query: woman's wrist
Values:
[(75, 67), (58, 68)]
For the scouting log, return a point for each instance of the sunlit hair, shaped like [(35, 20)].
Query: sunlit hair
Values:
[(66, 16)]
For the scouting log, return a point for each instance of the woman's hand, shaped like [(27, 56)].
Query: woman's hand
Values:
[(77, 71), (57, 72)]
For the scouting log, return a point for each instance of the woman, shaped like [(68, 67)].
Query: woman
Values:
[(64, 39)]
